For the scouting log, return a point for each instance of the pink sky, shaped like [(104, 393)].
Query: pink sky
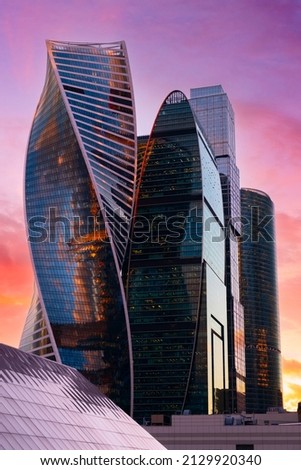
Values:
[(252, 48)]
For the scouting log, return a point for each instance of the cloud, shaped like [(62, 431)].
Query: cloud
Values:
[(288, 239), (288, 229), (269, 148), (292, 383), (291, 367), (16, 278), (13, 139), (292, 396), (252, 48)]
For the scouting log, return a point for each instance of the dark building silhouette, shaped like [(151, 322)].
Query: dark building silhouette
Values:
[(260, 299), (176, 279)]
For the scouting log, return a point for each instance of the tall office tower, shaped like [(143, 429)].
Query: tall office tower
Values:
[(175, 285), (260, 299), (215, 115), (79, 192)]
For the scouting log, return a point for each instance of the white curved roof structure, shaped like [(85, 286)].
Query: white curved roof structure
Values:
[(46, 405)]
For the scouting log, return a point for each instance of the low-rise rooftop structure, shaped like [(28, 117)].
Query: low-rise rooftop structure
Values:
[(275, 430)]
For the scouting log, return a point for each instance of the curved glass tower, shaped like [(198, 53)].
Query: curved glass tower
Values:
[(176, 278), (79, 191), (260, 300)]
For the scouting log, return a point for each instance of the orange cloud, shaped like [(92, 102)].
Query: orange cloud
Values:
[(16, 278), (288, 233), (291, 367), (292, 383), (292, 397), (288, 237)]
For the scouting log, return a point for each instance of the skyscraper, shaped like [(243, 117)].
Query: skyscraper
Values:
[(216, 117), (150, 312), (176, 278), (260, 299), (79, 192)]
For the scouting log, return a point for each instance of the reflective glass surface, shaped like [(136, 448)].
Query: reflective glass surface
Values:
[(97, 85), (215, 114), (169, 258), (45, 405), (70, 228), (259, 295), (35, 336), (216, 117)]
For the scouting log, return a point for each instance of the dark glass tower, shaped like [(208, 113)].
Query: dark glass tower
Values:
[(176, 279), (260, 300), (79, 193), (216, 117)]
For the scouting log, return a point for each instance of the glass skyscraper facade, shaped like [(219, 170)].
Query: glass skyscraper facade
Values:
[(216, 117), (148, 308), (260, 299), (176, 277), (79, 192)]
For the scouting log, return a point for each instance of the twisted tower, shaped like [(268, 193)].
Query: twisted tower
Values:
[(79, 191)]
